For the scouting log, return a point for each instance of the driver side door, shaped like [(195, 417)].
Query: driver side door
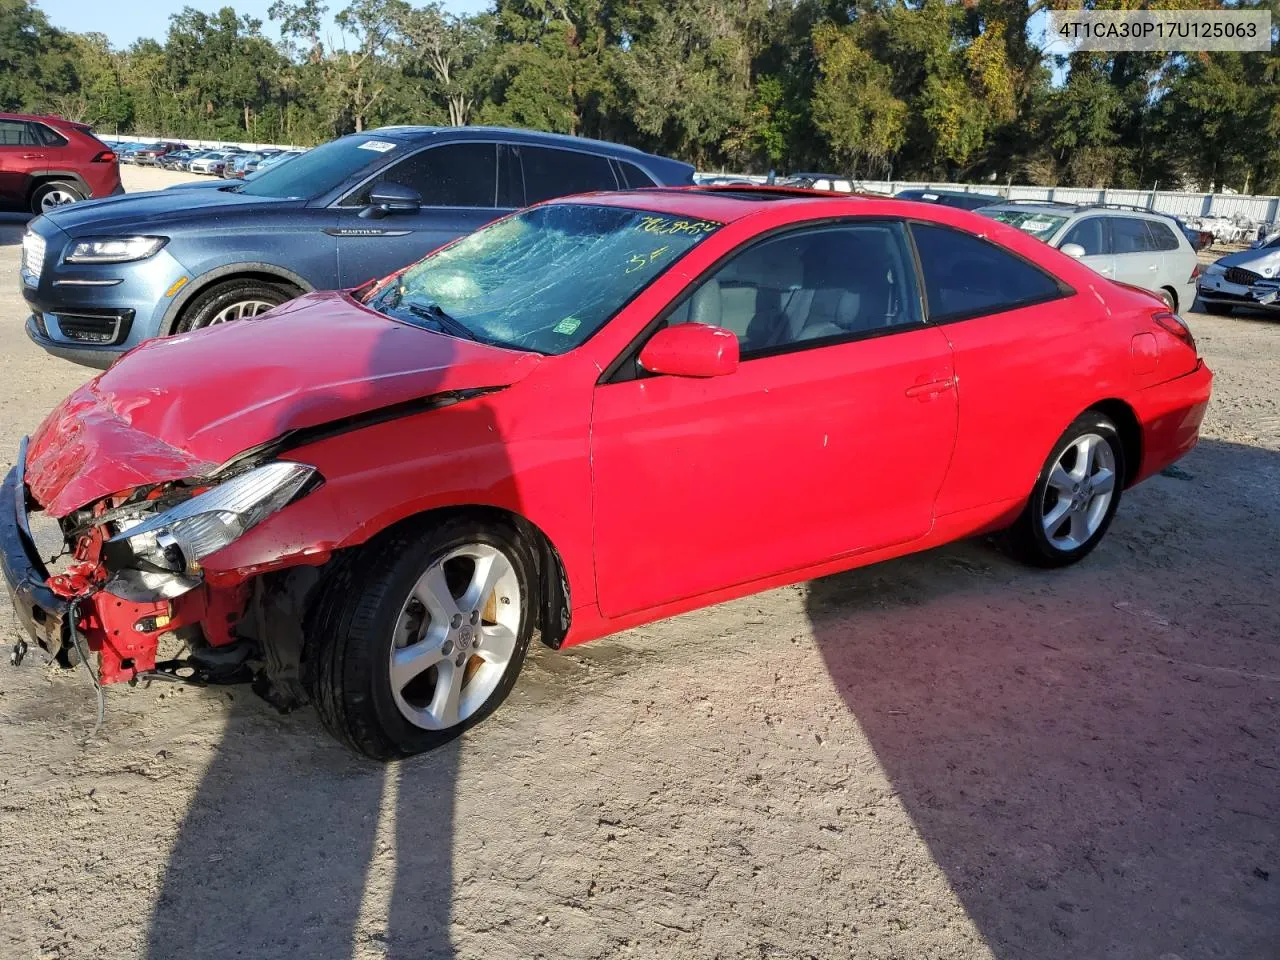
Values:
[(832, 437), (459, 186)]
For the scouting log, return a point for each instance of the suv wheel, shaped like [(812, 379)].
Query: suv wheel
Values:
[(232, 300), (56, 193)]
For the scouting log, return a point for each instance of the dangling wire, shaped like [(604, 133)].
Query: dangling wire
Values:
[(73, 615)]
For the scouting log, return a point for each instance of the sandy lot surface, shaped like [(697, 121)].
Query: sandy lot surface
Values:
[(948, 756)]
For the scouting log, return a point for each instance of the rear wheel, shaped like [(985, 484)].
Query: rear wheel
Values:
[(421, 635), (56, 193), (1075, 496), (1170, 298), (232, 300)]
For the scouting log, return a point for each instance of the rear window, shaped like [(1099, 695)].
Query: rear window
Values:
[(1039, 224), (550, 173), (318, 171)]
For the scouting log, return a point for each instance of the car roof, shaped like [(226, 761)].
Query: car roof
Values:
[(411, 131)]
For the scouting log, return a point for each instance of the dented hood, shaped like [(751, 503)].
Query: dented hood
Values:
[(178, 407)]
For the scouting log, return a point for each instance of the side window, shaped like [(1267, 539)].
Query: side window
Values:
[(810, 285), (552, 173), (633, 176), (48, 136), (1162, 236), (1129, 235), (966, 276), (15, 133), (1090, 234), (451, 175)]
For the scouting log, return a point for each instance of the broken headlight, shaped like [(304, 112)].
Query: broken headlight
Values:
[(178, 538)]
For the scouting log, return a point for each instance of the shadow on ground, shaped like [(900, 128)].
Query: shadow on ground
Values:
[(1095, 778), (12, 227)]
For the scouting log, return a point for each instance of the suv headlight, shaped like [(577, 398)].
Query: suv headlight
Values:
[(114, 249), (178, 538), (1215, 269)]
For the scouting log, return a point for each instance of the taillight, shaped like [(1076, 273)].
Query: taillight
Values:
[(106, 156), (1174, 324), (1195, 272)]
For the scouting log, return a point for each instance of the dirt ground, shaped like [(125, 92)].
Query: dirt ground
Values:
[(947, 756)]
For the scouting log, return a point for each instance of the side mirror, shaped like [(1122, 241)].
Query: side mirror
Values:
[(391, 197), (691, 350), (1072, 250)]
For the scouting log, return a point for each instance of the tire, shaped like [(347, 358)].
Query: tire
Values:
[(232, 300), (1218, 309), (368, 608), (1170, 298), (1040, 540), (54, 194)]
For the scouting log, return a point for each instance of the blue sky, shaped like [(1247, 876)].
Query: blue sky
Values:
[(124, 21)]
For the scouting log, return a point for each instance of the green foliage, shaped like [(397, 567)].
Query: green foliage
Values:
[(908, 88)]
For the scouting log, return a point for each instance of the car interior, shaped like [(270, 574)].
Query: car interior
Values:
[(819, 284)]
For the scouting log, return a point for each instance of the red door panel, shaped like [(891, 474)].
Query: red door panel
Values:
[(702, 484)]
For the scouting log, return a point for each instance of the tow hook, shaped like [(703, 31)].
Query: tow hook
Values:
[(18, 654)]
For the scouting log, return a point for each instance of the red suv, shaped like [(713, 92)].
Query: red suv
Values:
[(47, 161)]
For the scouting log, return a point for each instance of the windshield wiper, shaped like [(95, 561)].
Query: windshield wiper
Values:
[(433, 311)]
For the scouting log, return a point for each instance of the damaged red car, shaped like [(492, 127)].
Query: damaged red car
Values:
[(591, 414)]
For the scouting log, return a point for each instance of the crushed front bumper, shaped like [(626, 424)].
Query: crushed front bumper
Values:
[(1214, 288), (42, 613)]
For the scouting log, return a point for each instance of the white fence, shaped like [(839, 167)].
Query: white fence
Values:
[(1264, 209), (1260, 209)]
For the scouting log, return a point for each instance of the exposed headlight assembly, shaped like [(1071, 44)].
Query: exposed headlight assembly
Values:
[(176, 540), (114, 249), (1215, 269)]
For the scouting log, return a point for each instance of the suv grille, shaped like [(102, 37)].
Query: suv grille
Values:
[(33, 247), (1240, 275)]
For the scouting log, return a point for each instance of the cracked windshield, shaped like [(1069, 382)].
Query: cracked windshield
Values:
[(519, 282)]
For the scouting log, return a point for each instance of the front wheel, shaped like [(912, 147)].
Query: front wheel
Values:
[(232, 300), (1075, 496), (420, 635)]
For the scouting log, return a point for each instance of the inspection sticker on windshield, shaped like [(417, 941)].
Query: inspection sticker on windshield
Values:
[(378, 146), (567, 326), (1035, 226)]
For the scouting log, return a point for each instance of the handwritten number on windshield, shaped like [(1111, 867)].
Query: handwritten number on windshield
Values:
[(639, 261)]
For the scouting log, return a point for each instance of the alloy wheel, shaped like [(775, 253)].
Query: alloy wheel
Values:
[(240, 310), (57, 197), (455, 636), (1079, 492)]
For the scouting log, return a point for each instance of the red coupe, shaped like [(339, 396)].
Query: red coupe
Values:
[(591, 414)]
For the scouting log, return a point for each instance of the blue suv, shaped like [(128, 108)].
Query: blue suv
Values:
[(103, 276)]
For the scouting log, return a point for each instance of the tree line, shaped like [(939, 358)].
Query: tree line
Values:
[(906, 89)]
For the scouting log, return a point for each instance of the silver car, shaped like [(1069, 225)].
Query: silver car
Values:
[(1128, 244), (1248, 278)]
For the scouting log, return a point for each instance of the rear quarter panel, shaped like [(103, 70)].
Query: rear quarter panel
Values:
[(1025, 374)]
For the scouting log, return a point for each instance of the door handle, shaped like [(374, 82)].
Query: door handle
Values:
[(1153, 267), (33, 156), (930, 390)]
